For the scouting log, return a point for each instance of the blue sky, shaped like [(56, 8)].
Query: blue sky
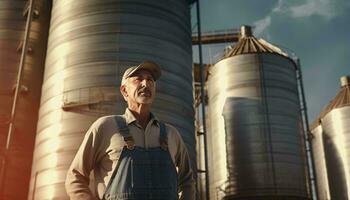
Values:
[(317, 31)]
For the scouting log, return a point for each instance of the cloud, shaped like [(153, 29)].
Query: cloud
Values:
[(261, 25), (314, 7), (280, 7), (327, 9), (324, 8)]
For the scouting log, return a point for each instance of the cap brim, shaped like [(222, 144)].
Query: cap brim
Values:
[(150, 66)]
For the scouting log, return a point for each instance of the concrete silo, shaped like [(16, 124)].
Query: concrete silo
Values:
[(18, 120), (91, 42), (256, 148), (331, 137)]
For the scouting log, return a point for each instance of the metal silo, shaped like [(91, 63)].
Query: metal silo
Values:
[(320, 162), (331, 132), (255, 145), (19, 107), (91, 43)]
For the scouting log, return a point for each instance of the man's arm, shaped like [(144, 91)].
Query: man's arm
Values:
[(186, 180), (77, 180)]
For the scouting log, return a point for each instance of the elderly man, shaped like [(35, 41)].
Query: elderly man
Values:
[(135, 155)]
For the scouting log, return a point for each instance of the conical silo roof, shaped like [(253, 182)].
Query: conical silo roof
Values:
[(249, 44), (341, 99)]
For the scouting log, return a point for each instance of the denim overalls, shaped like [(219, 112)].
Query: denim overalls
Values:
[(142, 173)]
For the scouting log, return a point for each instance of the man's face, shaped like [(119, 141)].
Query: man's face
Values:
[(139, 88)]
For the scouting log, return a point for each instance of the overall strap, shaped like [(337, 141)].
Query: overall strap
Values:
[(129, 143), (163, 139), (124, 131)]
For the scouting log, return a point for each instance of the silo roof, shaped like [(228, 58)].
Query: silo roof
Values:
[(249, 44), (342, 99)]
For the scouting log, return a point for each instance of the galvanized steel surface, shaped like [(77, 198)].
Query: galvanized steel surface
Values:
[(336, 137), (320, 163), (342, 99), (331, 131), (255, 140), (13, 14), (91, 43)]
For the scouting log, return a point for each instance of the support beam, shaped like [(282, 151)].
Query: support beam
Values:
[(214, 37)]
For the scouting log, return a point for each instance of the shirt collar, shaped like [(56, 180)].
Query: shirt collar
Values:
[(130, 118)]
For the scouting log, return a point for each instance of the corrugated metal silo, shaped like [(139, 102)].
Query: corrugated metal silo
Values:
[(320, 162), (331, 133), (16, 155), (91, 43), (255, 149)]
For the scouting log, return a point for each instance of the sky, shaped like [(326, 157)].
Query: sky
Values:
[(317, 31)]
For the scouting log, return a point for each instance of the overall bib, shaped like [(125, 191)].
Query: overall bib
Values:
[(142, 173)]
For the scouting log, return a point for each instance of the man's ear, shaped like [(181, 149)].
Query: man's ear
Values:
[(122, 89)]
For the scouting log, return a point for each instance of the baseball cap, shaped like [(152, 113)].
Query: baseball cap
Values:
[(150, 66)]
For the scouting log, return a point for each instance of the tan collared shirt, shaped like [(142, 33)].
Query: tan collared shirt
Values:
[(100, 152)]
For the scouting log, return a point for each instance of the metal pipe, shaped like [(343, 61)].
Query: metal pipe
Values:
[(203, 101), (267, 130), (17, 90), (309, 155), (344, 81), (19, 75)]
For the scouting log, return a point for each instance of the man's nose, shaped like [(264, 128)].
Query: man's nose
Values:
[(145, 82)]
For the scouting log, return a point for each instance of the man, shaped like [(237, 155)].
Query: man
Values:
[(132, 156)]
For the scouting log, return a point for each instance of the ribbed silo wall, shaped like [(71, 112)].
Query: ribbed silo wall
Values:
[(16, 169), (320, 162), (91, 43), (336, 139), (255, 149)]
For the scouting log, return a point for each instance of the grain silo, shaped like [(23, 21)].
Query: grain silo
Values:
[(331, 136), (18, 32), (91, 42), (256, 149), (320, 162)]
